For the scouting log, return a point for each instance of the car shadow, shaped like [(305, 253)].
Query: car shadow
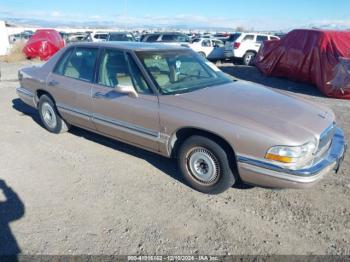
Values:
[(251, 73), (166, 165), (10, 210), (27, 110)]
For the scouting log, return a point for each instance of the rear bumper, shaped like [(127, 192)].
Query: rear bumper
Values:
[(26, 96), (228, 54), (263, 173)]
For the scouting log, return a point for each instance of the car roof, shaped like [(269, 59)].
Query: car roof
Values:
[(133, 46), (119, 33), (165, 33)]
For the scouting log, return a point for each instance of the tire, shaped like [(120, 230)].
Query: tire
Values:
[(49, 116), (202, 54), (248, 58), (205, 165)]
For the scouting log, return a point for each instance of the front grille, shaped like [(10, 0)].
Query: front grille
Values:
[(326, 139)]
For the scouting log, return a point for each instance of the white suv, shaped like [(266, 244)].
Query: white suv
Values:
[(245, 46)]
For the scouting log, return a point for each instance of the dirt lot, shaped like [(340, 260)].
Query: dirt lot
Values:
[(80, 193)]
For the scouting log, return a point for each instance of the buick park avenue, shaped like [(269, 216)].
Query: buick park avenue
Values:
[(173, 102)]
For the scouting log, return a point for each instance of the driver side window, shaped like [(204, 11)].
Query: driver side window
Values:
[(114, 70)]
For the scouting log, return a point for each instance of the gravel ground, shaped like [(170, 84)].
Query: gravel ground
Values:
[(81, 193)]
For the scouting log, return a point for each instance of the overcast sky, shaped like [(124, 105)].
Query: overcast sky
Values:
[(257, 14)]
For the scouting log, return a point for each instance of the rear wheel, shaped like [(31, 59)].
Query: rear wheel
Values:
[(202, 54), (249, 58), (50, 117), (205, 165)]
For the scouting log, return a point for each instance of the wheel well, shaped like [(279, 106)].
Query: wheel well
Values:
[(181, 135), (41, 92), (250, 51)]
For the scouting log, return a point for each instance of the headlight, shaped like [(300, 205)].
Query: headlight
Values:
[(291, 154)]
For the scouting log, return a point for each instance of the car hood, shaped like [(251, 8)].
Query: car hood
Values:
[(255, 106)]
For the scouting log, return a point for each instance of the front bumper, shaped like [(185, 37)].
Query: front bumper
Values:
[(263, 173)]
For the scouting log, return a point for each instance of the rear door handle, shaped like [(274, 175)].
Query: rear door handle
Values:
[(100, 95), (53, 83)]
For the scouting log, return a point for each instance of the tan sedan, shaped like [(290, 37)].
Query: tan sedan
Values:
[(171, 101)]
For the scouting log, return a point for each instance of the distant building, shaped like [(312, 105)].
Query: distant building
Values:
[(4, 40)]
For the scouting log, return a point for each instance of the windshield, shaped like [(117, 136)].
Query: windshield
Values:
[(181, 71), (121, 37)]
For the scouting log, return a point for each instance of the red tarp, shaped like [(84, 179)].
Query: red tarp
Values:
[(321, 58), (44, 43)]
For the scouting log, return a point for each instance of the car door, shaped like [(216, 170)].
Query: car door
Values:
[(207, 47), (70, 84), (217, 51), (249, 43), (134, 120)]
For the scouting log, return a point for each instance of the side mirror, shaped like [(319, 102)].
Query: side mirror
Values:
[(128, 90)]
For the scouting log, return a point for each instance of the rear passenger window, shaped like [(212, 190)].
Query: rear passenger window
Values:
[(60, 66), (206, 43), (248, 38), (261, 38), (151, 38), (79, 64)]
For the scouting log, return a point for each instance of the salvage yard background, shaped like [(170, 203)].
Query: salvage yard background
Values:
[(80, 193)]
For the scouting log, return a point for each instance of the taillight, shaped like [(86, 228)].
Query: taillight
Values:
[(236, 45)]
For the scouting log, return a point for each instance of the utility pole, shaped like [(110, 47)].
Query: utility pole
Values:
[(125, 12)]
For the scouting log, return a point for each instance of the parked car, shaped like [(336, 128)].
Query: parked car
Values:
[(212, 49), (322, 59), (171, 37), (98, 37), (43, 44), (171, 101), (244, 46), (121, 36), (77, 37), (21, 37), (222, 36)]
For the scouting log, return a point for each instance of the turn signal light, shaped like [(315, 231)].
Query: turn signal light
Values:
[(283, 159)]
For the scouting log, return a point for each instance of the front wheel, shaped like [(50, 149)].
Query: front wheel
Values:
[(50, 117), (205, 165)]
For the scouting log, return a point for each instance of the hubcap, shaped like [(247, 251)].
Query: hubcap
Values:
[(203, 165), (249, 59), (49, 115)]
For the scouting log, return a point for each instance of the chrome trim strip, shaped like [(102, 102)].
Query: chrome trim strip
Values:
[(126, 125), (25, 92), (260, 171), (334, 154), (121, 125), (73, 110), (327, 130)]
